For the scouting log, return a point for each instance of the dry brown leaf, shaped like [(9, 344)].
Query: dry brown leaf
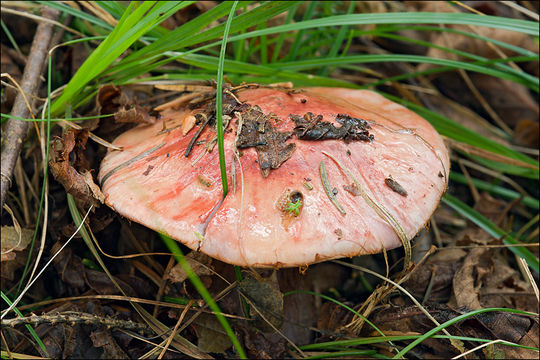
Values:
[(264, 294), (13, 245), (199, 263), (66, 171), (468, 279), (211, 336), (135, 114)]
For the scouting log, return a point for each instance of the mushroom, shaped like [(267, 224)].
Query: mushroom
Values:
[(314, 174)]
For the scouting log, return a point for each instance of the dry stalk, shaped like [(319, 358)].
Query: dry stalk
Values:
[(74, 318), (16, 130)]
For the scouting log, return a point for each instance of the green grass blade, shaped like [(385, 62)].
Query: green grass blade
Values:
[(177, 38), (338, 41), (248, 19), (492, 229), (505, 168), (281, 37), (308, 14), (345, 306), (477, 66), (385, 29), (28, 326), (129, 29), (458, 132), (76, 13), (451, 322), (496, 190), (219, 99), (522, 26), (348, 354), (382, 339)]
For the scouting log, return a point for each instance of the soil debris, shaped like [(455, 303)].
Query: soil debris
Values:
[(309, 127), (271, 146), (352, 188), (395, 186), (207, 116)]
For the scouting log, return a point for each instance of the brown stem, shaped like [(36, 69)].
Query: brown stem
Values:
[(15, 130), (72, 318)]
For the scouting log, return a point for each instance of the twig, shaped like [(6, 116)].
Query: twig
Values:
[(15, 130), (72, 318)]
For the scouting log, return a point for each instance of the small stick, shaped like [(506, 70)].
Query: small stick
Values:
[(72, 318), (16, 130)]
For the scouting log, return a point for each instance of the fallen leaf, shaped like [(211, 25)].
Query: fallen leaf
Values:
[(211, 336), (111, 350), (136, 114), (69, 167), (468, 278), (265, 296), (199, 263), (13, 246)]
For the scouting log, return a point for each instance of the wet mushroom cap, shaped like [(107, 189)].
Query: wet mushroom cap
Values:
[(282, 216)]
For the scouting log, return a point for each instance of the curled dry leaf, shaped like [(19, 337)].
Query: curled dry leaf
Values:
[(13, 245), (68, 166), (135, 114)]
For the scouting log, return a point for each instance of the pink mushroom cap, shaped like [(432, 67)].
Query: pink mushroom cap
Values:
[(286, 218)]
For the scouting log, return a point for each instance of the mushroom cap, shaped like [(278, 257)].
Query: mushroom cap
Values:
[(153, 183)]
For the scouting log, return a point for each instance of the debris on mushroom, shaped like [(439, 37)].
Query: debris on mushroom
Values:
[(289, 152)]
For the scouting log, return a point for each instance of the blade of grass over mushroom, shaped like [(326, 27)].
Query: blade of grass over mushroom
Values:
[(28, 326), (219, 100), (492, 229), (448, 323), (197, 283), (496, 190), (132, 25)]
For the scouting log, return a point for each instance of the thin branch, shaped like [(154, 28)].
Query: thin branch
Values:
[(72, 318), (15, 130)]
